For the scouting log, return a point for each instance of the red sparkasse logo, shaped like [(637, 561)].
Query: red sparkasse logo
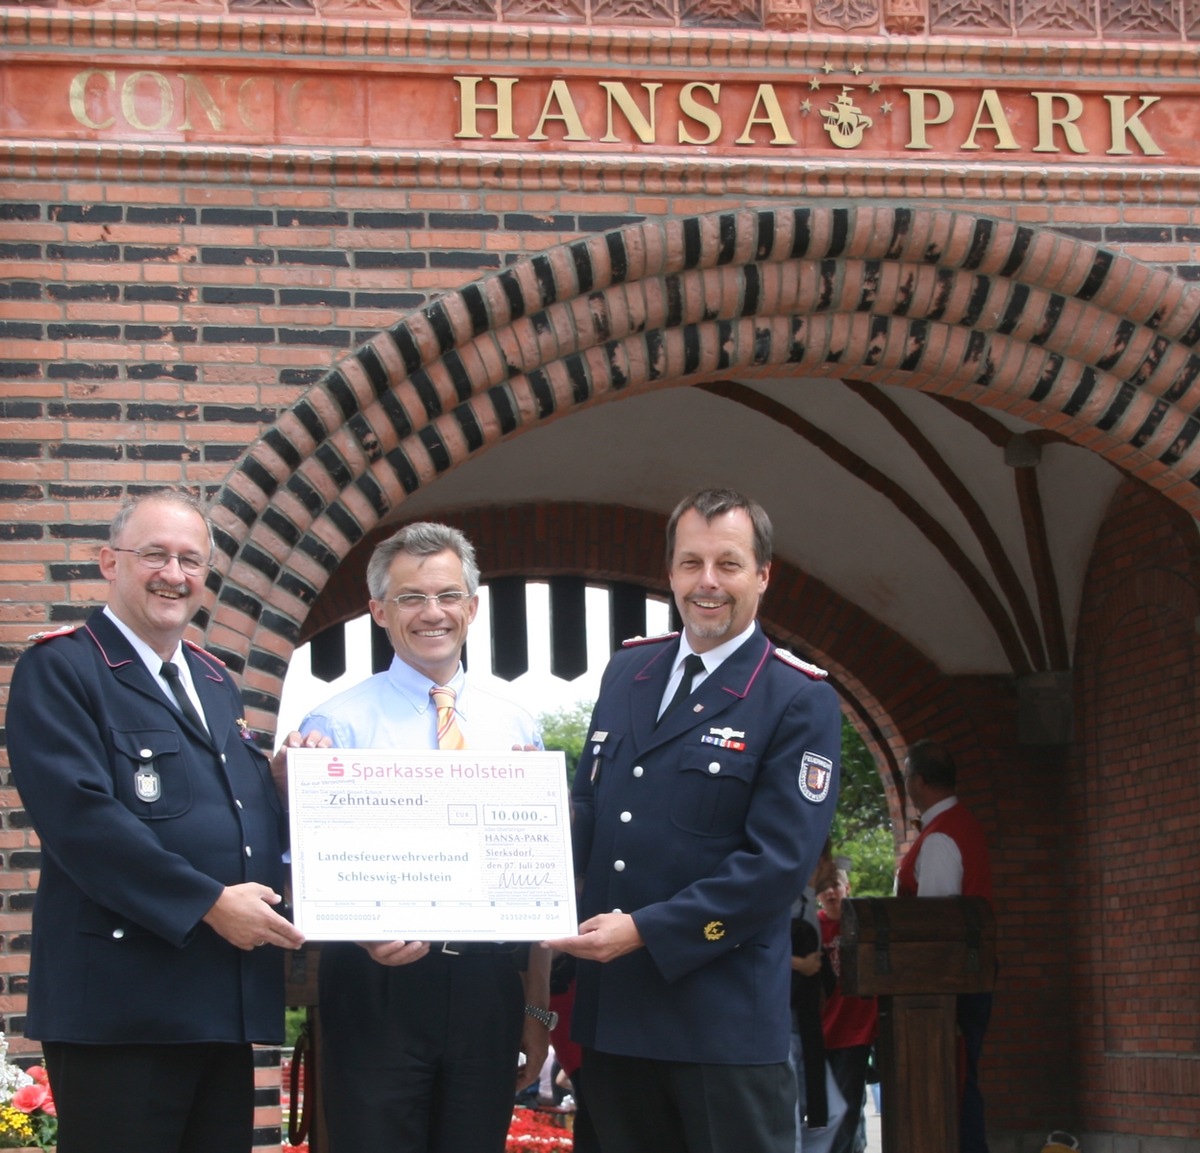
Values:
[(335, 768)]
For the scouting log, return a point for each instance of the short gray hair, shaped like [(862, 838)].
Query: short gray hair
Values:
[(177, 496), (425, 538)]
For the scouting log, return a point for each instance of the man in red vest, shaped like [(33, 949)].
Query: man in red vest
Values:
[(950, 859)]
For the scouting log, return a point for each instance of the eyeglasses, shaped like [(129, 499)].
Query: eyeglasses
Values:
[(157, 558), (414, 602)]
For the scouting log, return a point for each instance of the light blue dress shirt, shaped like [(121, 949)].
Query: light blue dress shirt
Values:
[(393, 710)]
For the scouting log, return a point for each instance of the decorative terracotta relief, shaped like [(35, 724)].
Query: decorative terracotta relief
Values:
[(1056, 17), (548, 11), (787, 15), (904, 17), (847, 14), (969, 16), (391, 9), (198, 6), (698, 13), (454, 10), (1113, 21), (634, 12), (271, 6), (1144, 19)]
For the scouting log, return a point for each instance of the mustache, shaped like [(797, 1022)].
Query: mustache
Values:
[(160, 586)]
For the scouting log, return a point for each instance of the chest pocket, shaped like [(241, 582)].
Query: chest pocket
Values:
[(151, 773), (712, 791)]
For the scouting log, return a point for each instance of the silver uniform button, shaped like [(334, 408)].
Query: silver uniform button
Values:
[(714, 767), (118, 934), (146, 754), (619, 866), (248, 852), (638, 770), (222, 758), (237, 802), (616, 910), (626, 817), (595, 750)]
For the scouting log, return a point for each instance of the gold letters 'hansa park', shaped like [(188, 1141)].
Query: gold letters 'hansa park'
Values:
[(832, 112)]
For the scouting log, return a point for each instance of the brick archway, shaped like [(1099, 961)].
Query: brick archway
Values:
[(1075, 338)]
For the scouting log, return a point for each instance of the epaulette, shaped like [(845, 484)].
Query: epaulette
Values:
[(815, 671), (203, 652), (632, 641), (50, 634)]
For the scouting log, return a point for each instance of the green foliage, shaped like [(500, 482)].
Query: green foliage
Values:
[(862, 826), (565, 730), (294, 1020)]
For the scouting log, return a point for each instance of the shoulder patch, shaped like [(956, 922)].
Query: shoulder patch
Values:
[(50, 634), (634, 641), (203, 652), (815, 671)]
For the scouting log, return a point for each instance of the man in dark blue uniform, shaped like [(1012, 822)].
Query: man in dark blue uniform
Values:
[(702, 800), (157, 944)]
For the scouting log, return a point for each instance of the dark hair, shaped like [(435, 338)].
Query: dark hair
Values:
[(714, 502), (933, 764), (425, 538)]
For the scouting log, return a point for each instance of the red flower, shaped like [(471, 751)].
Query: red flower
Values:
[(31, 1098), (39, 1074), (531, 1133)]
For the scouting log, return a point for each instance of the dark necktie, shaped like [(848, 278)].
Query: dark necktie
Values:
[(171, 672), (693, 664)]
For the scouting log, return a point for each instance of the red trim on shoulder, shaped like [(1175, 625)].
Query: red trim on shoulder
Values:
[(216, 666), (65, 631), (201, 652), (814, 671), (633, 642)]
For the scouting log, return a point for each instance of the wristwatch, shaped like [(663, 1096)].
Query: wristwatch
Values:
[(548, 1017)]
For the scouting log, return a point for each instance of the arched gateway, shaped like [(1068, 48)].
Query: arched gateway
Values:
[(921, 275)]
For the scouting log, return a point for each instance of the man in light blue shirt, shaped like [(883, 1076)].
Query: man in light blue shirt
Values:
[(421, 1038)]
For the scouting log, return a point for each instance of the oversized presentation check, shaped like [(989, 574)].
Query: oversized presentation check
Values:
[(430, 845)]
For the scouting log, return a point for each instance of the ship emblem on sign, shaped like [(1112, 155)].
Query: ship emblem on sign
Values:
[(845, 121)]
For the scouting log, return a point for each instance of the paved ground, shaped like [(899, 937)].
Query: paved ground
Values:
[(874, 1141)]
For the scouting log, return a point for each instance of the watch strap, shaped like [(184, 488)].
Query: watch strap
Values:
[(547, 1017)]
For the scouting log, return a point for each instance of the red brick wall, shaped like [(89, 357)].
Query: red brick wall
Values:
[(154, 328), (1132, 827)]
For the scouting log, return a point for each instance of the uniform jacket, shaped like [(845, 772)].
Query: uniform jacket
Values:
[(120, 954), (963, 828), (703, 829)]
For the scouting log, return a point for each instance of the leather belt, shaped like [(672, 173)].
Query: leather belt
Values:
[(458, 948)]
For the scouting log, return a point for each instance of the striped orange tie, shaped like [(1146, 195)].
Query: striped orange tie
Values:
[(449, 734)]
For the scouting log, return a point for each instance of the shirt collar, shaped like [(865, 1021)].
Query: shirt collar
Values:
[(937, 810), (415, 686), (149, 657), (714, 657)]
